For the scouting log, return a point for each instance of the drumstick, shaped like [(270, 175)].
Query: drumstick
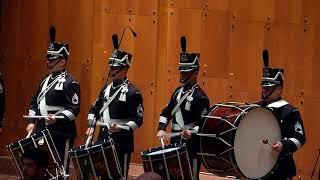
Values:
[(174, 135), (266, 141), (192, 131), (29, 134), (39, 116), (125, 127), (87, 141), (162, 143)]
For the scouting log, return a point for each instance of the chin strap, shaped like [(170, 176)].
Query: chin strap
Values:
[(269, 94), (55, 64)]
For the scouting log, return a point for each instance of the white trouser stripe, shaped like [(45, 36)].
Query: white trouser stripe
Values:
[(66, 151), (125, 166)]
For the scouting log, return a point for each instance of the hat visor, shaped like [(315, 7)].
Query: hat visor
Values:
[(268, 84), (186, 69), (51, 57), (116, 64)]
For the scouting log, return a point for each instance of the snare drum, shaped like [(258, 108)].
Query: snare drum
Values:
[(170, 162), (41, 140), (232, 140), (98, 161)]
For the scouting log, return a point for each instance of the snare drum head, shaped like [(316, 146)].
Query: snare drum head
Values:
[(163, 151), (254, 158)]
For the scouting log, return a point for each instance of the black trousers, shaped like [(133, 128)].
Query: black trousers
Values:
[(63, 145), (124, 160)]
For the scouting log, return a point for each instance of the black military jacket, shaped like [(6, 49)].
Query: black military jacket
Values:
[(293, 135), (193, 107), (127, 111), (62, 98)]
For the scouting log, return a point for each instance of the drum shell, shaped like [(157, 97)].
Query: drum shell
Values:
[(31, 143), (169, 165), (105, 163)]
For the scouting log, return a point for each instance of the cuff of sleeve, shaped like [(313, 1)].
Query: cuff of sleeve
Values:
[(195, 129), (296, 142), (31, 113), (288, 146), (163, 120), (69, 115), (132, 125), (91, 120), (162, 126)]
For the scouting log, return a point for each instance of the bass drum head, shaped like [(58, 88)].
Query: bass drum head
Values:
[(254, 158)]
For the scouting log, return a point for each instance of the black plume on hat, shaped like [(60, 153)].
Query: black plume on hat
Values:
[(119, 58), (265, 57), (115, 41), (271, 76), (183, 43), (56, 50), (188, 61), (52, 32)]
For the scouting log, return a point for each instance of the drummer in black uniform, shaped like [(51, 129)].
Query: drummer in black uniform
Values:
[(292, 130), (120, 106), (58, 95), (187, 105)]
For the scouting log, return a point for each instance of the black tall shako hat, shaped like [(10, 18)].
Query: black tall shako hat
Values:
[(120, 58), (271, 76), (56, 50), (188, 61)]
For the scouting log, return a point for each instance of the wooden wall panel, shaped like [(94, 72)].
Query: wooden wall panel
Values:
[(310, 11), (285, 43), (187, 4), (307, 156), (288, 11), (252, 10), (216, 89), (215, 42), (248, 57), (131, 7), (218, 4)]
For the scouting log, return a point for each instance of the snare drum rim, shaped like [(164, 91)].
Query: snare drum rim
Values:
[(81, 151), (145, 156), (28, 140)]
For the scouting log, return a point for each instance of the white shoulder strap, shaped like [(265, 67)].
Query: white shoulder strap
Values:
[(278, 104), (107, 92), (41, 98), (180, 100)]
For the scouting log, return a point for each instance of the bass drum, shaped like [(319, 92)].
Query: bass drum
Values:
[(236, 138)]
